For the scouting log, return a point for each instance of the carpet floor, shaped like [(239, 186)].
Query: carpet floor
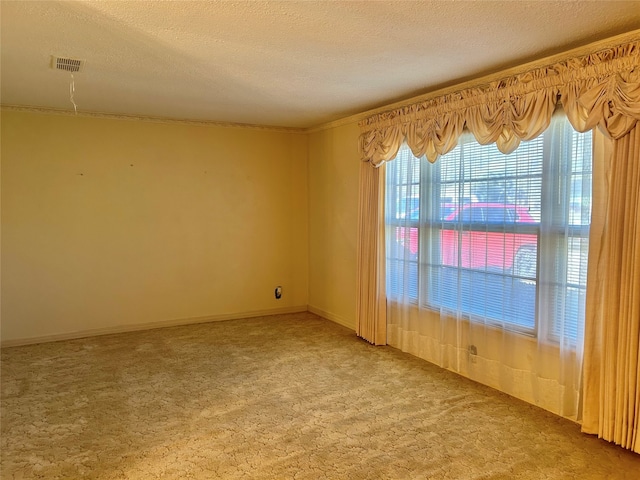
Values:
[(280, 397)]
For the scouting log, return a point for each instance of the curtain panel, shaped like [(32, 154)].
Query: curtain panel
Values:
[(601, 89), (370, 303), (611, 395)]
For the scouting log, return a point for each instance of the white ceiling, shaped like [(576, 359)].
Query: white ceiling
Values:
[(278, 63)]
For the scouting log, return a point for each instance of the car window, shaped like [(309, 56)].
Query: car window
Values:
[(472, 213), (500, 215), (446, 210)]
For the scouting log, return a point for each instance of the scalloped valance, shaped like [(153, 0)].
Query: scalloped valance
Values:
[(600, 89)]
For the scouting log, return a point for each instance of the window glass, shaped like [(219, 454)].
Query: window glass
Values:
[(501, 238)]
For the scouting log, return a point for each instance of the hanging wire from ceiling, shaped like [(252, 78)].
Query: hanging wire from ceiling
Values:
[(72, 91)]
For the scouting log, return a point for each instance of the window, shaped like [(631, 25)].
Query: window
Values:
[(494, 237)]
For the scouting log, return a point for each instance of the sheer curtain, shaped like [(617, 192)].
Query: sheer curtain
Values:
[(487, 262), (598, 89)]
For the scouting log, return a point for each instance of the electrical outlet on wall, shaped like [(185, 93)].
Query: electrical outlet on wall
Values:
[(278, 292), (473, 351)]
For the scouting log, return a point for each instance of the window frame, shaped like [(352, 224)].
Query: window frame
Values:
[(426, 227)]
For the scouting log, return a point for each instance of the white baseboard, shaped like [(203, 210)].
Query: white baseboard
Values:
[(148, 326), (332, 316)]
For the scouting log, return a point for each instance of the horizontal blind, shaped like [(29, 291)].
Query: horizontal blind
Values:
[(494, 227), (464, 234)]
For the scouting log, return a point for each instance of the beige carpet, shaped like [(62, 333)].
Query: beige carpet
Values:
[(282, 397)]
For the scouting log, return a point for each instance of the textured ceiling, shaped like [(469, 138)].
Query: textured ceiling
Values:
[(278, 63)]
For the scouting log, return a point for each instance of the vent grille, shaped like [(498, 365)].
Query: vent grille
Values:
[(72, 65)]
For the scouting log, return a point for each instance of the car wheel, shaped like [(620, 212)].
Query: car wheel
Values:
[(525, 262)]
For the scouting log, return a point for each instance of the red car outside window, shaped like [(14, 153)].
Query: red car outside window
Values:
[(482, 241)]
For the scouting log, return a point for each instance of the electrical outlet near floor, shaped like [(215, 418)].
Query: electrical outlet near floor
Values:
[(278, 292), (473, 351)]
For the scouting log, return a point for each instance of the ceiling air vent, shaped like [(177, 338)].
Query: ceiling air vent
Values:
[(72, 65)]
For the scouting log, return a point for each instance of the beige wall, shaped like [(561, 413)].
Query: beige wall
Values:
[(112, 224), (333, 213)]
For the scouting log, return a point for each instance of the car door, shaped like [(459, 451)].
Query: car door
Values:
[(460, 245), (500, 242), (473, 241)]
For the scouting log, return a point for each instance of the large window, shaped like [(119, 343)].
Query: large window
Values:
[(496, 238)]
